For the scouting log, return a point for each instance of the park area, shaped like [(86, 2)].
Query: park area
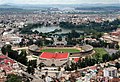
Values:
[(101, 51), (60, 50)]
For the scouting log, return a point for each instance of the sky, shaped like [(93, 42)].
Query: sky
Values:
[(58, 1)]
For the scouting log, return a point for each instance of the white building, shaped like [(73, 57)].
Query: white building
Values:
[(12, 38), (110, 72), (62, 42)]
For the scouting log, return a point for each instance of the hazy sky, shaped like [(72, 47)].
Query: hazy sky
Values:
[(59, 1)]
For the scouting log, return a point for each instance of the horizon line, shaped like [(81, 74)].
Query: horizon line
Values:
[(57, 3)]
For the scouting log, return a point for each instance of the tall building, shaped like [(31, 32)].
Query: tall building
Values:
[(110, 72)]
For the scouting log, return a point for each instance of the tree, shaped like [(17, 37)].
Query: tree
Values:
[(111, 45), (33, 63), (3, 50), (117, 65), (6, 48), (106, 58), (30, 70), (13, 78), (36, 32), (22, 57), (73, 66), (39, 43), (30, 42), (41, 65), (13, 54), (114, 56), (21, 44), (93, 26), (74, 34), (59, 38), (117, 46), (97, 57), (67, 68)]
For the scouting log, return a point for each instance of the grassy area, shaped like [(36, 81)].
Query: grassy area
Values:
[(100, 54), (101, 51), (60, 50)]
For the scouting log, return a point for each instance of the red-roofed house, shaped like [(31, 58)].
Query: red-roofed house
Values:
[(6, 64), (93, 68), (76, 59), (115, 80), (6, 61), (3, 57)]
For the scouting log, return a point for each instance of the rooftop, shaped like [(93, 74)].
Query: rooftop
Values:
[(111, 68), (48, 55), (6, 63)]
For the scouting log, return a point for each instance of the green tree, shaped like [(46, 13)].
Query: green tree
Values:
[(106, 58), (30, 70), (36, 32), (97, 57), (13, 78), (22, 57), (59, 38), (73, 66), (117, 46), (39, 43), (6, 48), (41, 65), (33, 63), (117, 65)]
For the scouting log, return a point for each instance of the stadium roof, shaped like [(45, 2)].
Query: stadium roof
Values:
[(49, 55)]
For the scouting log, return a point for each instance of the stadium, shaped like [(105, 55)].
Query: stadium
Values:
[(70, 49), (58, 56)]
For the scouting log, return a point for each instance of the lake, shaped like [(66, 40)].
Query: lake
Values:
[(44, 29)]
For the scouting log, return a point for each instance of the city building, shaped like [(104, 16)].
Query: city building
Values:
[(12, 38), (59, 43), (110, 72)]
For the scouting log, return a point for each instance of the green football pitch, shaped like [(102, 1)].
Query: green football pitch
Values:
[(60, 50)]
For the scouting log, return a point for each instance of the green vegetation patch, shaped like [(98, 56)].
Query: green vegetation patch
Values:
[(118, 25), (60, 50), (99, 54), (101, 51)]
